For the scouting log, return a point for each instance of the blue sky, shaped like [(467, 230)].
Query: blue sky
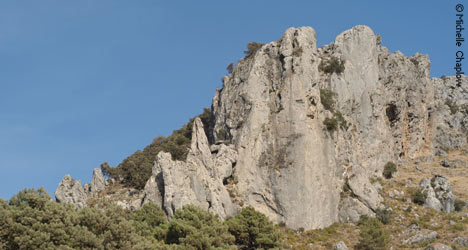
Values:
[(83, 82)]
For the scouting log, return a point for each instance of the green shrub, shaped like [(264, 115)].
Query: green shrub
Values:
[(32, 220), (389, 170), (383, 215), (459, 205), (334, 65), (373, 235), (252, 48), (327, 98), (417, 196), (194, 228), (253, 230), (331, 124), (135, 170), (150, 220)]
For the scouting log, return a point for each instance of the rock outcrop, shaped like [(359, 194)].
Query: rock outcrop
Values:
[(198, 180), (438, 194), (275, 109), (98, 183), (70, 191), (294, 125), (421, 237)]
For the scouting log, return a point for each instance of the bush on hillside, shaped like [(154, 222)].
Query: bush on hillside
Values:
[(389, 170), (32, 220), (459, 205), (193, 228), (253, 230), (373, 235)]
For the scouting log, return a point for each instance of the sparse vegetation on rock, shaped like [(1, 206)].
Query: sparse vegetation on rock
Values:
[(135, 170), (252, 48), (334, 65)]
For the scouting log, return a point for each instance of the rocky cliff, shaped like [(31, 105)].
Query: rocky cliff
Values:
[(296, 128)]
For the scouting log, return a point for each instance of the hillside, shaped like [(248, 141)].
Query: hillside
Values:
[(347, 142)]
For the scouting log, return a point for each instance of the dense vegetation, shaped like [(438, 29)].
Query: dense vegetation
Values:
[(373, 235), (135, 170), (31, 220)]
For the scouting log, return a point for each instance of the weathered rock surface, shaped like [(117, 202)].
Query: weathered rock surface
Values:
[(461, 241), (98, 183), (281, 144), (291, 167), (198, 180), (340, 246), (438, 246), (439, 194), (421, 237), (70, 191), (448, 164)]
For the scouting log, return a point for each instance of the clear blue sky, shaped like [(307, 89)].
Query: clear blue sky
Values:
[(83, 82)]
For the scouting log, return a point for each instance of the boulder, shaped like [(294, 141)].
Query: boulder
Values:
[(438, 246), (448, 164), (421, 237), (340, 246), (439, 194)]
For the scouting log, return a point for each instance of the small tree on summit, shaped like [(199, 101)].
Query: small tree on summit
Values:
[(252, 48)]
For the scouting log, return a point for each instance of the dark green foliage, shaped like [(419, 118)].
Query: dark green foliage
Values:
[(373, 235), (135, 170), (418, 197), (383, 215), (252, 48), (459, 205), (151, 220), (327, 98), (389, 170), (331, 124), (194, 228), (32, 220), (253, 230), (334, 65)]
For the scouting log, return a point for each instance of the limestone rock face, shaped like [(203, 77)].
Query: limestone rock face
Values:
[(450, 113), (198, 180), (98, 183), (70, 191), (274, 110), (439, 194), (295, 125)]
